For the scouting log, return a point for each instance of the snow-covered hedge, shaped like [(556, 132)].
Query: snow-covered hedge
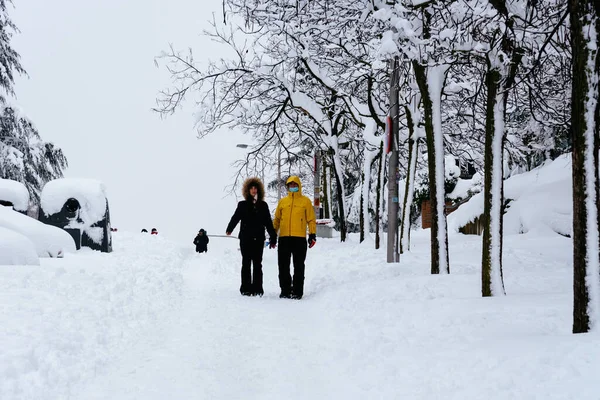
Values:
[(541, 200)]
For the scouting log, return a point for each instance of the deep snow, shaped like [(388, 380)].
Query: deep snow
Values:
[(154, 320)]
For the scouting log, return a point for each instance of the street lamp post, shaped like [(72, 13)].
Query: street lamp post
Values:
[(245, 146)]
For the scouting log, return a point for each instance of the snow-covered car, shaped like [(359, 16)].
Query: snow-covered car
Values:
[(49, 241), (16, 249), (80, 206), (14, 194)]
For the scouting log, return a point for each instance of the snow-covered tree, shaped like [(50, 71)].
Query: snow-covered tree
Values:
[(585, 126), (9, 58), (301, 69), (24, 156)]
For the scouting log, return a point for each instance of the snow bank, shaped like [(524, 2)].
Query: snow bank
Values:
[(16, 249), (68, 321), (49, 241), (90, 193), (16, 193), (541, 201)]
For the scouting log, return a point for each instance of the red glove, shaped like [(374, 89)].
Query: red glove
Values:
[(312, 240)]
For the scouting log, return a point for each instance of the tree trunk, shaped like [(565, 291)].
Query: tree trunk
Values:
[(585, 112), (435, 161), (379, 195), (413, 144), (364, 197), (361, 217), (492, 283), (341, 198)]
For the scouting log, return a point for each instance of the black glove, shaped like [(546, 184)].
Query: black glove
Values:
[(312, 240), (272, 242)]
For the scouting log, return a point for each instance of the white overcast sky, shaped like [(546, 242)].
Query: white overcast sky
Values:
[(91, 86)]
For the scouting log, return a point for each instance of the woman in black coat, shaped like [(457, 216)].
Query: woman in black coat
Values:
[(255, 217), (201, 241)]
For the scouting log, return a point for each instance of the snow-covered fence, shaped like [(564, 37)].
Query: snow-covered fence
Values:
[(80, 207)]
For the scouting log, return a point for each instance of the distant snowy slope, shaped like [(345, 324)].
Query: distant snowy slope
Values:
[(541, 201), (63, 322)]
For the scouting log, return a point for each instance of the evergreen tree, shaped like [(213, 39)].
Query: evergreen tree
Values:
[(24, 156), (9, 58)]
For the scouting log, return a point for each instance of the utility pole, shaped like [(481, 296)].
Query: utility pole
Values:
[(393, 255)]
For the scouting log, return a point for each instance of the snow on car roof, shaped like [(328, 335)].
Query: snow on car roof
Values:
[(14, 192), (90, 193)]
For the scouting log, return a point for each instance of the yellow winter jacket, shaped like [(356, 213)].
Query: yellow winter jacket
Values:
[(294, 213)]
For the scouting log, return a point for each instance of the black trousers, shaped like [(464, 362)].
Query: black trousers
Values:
[(294, 247), (252, 253)]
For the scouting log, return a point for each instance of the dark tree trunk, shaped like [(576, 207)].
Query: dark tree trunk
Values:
[(436, 246), (361, 218), (378, 205), (585, 177), (492, 189), (340, 201), (410, 176)]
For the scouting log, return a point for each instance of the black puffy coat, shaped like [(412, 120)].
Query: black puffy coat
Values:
[(253, 214), (201, 241)]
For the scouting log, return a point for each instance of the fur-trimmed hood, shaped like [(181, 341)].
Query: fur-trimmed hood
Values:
[(253, 182)]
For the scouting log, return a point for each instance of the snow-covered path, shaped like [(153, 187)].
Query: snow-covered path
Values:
[(363, 330), (220, 345), (154, 320)]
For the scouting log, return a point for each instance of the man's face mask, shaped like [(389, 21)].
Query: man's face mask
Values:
[(294, 189)]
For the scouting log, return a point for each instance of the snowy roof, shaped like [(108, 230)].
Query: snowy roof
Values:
[(542, 200), (15, 192), (90, 193)]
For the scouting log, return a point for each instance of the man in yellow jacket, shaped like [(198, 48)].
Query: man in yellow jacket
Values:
[(293, 214)]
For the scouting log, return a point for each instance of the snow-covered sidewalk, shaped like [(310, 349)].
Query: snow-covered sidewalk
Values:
[(366, 329), (154, 320)]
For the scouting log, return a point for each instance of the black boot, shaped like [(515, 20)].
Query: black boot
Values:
[(245, 291)]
